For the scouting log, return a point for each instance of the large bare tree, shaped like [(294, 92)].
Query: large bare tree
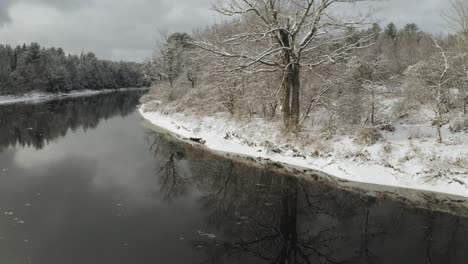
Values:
[(283, 36), (456, 17)]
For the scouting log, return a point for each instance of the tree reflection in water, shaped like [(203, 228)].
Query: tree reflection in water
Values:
[(37, 124), (261, 216), (172, 184)]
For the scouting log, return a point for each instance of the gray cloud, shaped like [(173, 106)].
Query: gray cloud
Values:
[(63, 4), (128, 29), (60, 4), (123, 29), (4, 16)]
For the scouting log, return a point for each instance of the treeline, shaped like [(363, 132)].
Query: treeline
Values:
[(34, 68)]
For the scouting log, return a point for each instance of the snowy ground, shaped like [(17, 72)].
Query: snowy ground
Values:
[(407, 157), (40, 97)]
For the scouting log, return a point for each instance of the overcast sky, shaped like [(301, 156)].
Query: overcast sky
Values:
[(127, 29)]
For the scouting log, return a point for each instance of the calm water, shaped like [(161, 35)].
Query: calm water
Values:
[(83, 182)]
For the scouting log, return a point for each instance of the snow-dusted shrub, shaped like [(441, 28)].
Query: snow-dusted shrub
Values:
[(459, 124), (413, 152), (201, 100), (368, 135), (361, 156), (443, 168), (406, 107), (158, 92), (386, 127), (320, 147), (151, 106), (387, 148), (148, 98)]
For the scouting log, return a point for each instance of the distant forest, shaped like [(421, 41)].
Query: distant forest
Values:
[(31, 67)]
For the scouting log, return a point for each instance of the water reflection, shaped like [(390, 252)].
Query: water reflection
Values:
[(114, 192), (86, 197), (255, 215), (37, 124)]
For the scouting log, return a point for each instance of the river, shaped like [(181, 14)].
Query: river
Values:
[(82, 181)]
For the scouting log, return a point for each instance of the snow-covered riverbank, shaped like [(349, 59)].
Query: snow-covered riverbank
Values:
[(405, 158), (40, 97)]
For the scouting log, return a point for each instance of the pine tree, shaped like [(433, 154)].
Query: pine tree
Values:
[(391, 31), (31, 67), (411, 28)]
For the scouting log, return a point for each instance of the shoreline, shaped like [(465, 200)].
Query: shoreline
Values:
[(37, 97), (219, 144), (428, 200)]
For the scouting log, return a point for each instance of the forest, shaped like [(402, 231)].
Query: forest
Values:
[(348, 72), (28, 68), (376, 102)]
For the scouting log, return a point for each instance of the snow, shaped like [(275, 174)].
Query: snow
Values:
[(40, 97), (407, 158)]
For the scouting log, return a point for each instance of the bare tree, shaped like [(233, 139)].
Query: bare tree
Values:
[(229, 93), (283, 36), (459, 66), (409, 40), (440, 106), (168, 61), (193, 60), (457, 18), (372, 71), (433, 74)]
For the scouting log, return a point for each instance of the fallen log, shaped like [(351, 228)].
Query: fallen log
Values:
[(198, 140)]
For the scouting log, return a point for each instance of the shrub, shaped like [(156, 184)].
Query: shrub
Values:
[(368, 135), (151, 106), (459, 124), (387, 149), (386, 127)]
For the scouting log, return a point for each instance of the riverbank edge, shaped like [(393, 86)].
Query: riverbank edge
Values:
[(418, 198), (44, 97)]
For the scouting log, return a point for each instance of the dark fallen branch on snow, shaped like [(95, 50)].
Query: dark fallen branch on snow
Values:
[(198, 140)]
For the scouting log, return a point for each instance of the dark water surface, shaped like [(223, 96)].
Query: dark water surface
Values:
[(83, 182)]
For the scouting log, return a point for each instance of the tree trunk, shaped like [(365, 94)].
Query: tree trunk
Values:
[(291, 85), (291, 103), (439, 114), (465, 102), (295, 103), (439, 133), (286, 99), (373, 108)]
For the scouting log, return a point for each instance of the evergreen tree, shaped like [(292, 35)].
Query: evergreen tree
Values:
[(411, 28), (391, 31), (33, 68)]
